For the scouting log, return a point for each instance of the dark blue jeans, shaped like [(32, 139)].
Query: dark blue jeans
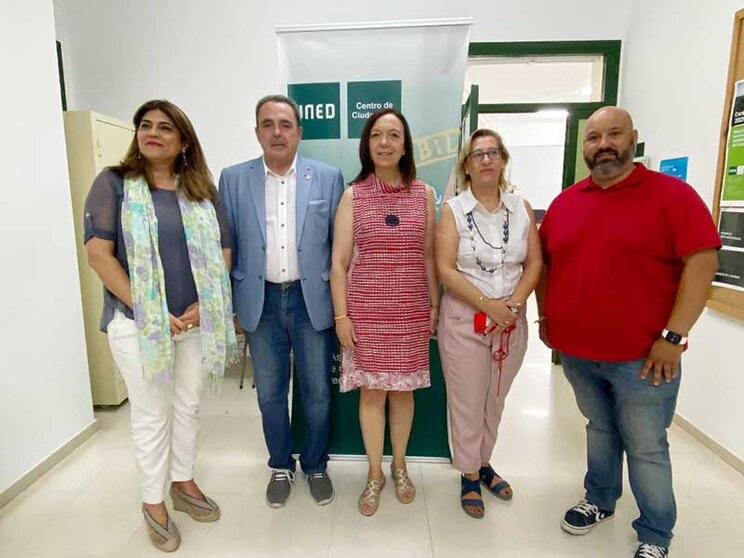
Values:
[(284, 326), (627, 414)]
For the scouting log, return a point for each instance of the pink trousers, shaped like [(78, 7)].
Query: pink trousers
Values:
[(476, 390)]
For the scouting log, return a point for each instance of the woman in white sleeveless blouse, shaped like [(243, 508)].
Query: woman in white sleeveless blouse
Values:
[(489, 259)]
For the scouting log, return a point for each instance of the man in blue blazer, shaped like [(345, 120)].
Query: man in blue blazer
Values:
[(281, 208)]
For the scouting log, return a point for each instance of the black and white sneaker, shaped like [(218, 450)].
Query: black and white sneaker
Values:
[(583, 517), (651, 551)]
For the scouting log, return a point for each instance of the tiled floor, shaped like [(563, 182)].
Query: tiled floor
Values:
[(88, 505)]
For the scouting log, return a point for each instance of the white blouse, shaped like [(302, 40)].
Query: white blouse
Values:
[(478, 228)]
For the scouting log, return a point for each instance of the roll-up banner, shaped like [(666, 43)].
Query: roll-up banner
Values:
[(339, 75)]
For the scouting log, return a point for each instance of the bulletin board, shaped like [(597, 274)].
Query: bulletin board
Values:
[(727, 294)]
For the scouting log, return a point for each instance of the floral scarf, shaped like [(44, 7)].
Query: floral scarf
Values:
[(140, 226)]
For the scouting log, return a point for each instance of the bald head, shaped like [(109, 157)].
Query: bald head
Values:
[(609, 145), (616, 115)]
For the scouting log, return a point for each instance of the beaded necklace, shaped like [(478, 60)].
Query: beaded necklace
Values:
[(473, 228)]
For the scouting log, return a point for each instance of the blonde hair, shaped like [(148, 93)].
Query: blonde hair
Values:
[(463, 180)]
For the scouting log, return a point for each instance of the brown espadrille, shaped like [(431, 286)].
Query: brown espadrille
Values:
[(204, 511), (164, 539)]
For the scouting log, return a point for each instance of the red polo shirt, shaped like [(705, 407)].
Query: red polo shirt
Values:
[(614, 261)]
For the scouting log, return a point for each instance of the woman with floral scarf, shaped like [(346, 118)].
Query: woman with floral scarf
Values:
[(157, 237)]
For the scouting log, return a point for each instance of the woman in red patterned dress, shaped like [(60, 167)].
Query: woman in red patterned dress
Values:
[(385, 294)]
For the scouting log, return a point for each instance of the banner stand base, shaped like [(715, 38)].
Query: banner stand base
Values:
[(388, 458)]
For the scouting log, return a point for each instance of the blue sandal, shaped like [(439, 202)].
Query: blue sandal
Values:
[(468, 485), (487, 474)]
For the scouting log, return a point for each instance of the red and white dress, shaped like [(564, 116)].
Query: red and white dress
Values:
[(388, 294)]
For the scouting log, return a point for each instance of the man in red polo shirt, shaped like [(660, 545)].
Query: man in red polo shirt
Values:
[(629, 257)]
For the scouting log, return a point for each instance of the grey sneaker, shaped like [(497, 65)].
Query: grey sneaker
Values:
[(280, 484), (321, 488)]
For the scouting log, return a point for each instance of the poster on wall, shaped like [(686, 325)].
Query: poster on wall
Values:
[(674, 167), (732, 192), (730, 272), (731, 227)]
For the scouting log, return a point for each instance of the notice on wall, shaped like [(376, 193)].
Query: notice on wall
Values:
[(674, 167), (732, 192), (731, 227), (730, 272), (731, 256)]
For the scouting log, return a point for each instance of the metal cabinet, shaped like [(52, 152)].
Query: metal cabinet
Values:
[(94, 141)]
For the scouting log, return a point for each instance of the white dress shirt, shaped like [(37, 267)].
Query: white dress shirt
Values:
[(281, 244), (502, 281)]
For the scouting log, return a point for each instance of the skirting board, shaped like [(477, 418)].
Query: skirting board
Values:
[(709, 443), (34, 474)]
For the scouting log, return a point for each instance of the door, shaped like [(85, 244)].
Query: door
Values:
[(112, 142)]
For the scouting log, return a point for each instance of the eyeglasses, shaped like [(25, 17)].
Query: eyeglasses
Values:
[(478, 155)]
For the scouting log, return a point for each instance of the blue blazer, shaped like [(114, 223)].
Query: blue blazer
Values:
[(243, 193)]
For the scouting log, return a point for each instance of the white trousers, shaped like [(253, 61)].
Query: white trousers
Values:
[(165, 420)]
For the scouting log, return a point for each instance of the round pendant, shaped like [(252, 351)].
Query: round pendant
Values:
[(392, 220)]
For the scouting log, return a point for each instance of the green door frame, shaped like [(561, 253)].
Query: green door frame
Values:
[(469, 114), (610, 50)]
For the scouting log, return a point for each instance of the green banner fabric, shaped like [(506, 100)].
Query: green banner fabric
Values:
[(428, 434), (319, 109), (366, 97), (340, 75)]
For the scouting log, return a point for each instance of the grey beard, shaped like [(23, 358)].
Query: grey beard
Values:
[(606, 169)]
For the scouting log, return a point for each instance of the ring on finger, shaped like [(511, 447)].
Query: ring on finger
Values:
[(189, 326)]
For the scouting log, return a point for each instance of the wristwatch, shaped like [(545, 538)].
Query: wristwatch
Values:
[(673, 337)]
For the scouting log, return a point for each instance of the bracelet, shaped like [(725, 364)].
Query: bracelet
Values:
[(339, 318)]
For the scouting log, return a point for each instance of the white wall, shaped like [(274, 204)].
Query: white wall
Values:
[(44, 387), (674, 71), (216, 59)]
